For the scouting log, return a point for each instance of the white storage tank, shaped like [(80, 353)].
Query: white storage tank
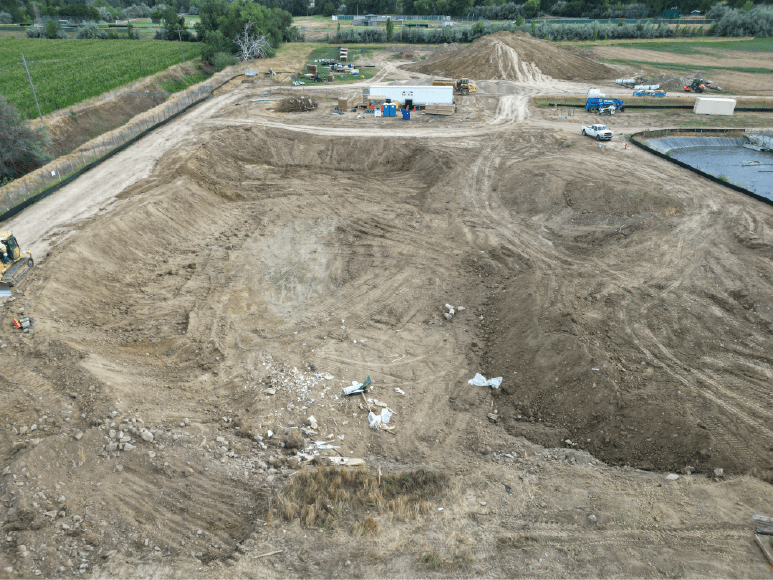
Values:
[(713, 106)]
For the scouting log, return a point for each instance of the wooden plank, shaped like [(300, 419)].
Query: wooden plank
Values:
[(765, 549)]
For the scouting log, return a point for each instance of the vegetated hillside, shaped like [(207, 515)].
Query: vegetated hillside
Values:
[(511, 56), (66, 72)]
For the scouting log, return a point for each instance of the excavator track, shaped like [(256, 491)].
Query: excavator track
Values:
[(15, 274)]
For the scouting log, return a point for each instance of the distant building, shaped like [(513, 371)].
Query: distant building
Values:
[(371, 20)]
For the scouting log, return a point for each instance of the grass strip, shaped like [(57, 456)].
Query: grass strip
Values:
[(686, 68)]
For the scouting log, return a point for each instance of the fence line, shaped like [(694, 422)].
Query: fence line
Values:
[(36, 185)]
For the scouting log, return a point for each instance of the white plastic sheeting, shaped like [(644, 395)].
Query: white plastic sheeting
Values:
[(480, 381)]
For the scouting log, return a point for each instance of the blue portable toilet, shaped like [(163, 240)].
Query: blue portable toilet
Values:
[(406, 114), (389, 110)]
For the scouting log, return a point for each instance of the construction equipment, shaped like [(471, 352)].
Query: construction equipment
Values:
[(462, 86), (595, 104), (696, 86), (14, 263)]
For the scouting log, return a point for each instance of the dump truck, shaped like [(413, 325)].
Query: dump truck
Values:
[(15, 263), (461, 86)]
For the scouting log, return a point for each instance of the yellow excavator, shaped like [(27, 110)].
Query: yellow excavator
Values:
[(15, 264)]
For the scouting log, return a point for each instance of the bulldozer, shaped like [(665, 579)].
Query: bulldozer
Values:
[(696, 86), (15, 263), (462, 86)]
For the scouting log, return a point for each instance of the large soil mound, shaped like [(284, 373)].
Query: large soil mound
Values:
[(511, 56)]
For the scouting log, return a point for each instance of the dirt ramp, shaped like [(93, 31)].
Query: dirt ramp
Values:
[(511, 56)]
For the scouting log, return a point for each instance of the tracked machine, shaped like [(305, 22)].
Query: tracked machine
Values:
[(15, 264)]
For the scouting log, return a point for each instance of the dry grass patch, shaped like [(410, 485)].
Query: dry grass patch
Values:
[(330, 497)]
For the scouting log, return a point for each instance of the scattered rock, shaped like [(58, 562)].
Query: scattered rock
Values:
[(719, 472), (151, 454), (672, 477), (78, 435), (146, 436), (592, 518), (187, 472)]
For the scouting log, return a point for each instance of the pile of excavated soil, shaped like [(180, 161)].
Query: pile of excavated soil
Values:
[(511, 56)]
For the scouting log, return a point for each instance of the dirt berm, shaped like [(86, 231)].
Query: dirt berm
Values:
[(511, 56)]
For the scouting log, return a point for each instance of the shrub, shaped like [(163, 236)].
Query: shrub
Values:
[(294, 34), (36, 32), (91, 30), (220, 60), (21, 147), (54, 29), (756, 22), (137, 11), (350, 35), (717, 11)]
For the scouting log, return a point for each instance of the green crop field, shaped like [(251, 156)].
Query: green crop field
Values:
[(704, 46), (66, 72)]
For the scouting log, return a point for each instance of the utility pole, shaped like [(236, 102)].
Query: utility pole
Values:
[(179, 35), (33, 86)]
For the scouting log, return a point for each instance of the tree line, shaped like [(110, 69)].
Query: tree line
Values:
[(29, 10)]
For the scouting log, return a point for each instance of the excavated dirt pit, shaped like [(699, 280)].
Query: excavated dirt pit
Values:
[(256, 271)]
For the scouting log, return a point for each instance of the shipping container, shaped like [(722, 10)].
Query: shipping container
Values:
[(415, 95), (713, 106)]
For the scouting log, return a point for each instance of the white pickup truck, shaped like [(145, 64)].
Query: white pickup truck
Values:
[(600, 132)]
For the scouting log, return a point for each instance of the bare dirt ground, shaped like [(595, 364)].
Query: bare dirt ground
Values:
[(202, 294)]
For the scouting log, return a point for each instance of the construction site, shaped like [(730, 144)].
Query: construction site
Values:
[(251, 341)]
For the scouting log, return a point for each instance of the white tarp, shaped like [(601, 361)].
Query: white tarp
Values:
[(377, 420), (480, 381)]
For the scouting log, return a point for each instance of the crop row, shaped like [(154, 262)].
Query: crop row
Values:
[(66, 72)]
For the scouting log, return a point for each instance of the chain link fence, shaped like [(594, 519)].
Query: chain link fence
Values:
[(23, 191)]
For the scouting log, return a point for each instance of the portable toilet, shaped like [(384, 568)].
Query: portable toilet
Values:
[(389, 109), (406, 114)]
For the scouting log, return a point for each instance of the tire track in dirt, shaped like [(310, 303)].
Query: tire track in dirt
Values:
[(720, 397)]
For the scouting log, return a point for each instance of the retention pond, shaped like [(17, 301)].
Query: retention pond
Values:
[(723, 157)]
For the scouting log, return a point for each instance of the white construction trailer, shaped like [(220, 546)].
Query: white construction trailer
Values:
[(414, 95), (713, 106)]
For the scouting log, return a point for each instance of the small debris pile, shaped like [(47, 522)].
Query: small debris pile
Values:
[(300, 104), (673, 83)]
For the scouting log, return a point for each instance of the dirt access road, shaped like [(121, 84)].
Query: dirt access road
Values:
[(205, 292)]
